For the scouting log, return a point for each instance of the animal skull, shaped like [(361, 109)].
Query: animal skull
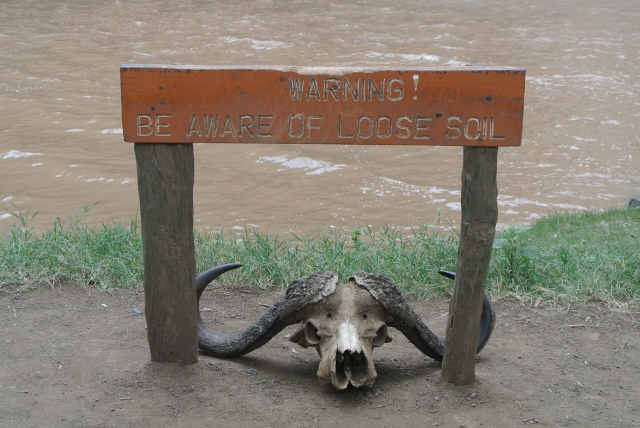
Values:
[(344, 328), (343, 321)]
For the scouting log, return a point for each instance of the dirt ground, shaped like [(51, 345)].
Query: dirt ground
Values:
[(76, 357)]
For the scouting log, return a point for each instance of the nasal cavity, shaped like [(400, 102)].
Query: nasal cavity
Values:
[(351, 366)]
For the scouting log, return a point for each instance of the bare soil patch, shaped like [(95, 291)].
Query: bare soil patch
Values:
[(75, 357)]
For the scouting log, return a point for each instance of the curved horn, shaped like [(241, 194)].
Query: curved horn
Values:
[(207, 276), (283, 313), (487, 319), (404, 318)]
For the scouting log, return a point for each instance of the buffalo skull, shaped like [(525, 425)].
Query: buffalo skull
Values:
[(344, 322)]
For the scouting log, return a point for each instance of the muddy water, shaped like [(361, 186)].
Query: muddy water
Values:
[(61, 144)]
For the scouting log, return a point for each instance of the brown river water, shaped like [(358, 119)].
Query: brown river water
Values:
[(61, 143)]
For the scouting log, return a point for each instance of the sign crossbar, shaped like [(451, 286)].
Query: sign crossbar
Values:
[(470, 106)]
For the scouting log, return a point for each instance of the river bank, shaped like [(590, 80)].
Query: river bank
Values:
[(564, 258)]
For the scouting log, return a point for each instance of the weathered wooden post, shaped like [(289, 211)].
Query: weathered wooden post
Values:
[(165, 187), (477, 107), (479, 204)]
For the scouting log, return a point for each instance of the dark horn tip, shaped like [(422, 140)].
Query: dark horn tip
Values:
[(448, 274), (207, 276)]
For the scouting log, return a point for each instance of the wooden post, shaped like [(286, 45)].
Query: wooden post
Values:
[(479, 216), (165, 186)]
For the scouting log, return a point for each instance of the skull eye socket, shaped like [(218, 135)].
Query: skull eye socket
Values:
[(381, 336), (311, 334)]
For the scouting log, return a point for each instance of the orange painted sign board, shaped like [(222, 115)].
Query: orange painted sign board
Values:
[(462, 106)]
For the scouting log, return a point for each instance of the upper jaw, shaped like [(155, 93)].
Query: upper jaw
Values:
[(343, 366)]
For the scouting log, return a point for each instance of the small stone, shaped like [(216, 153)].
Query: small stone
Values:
[(473, 395), (252, 371)]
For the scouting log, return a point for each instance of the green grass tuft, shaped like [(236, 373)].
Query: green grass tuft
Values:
[(411, 258), (588, 256), (71, 251)]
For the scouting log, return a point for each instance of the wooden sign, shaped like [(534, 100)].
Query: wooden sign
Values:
[(464, 106), (477, 107)]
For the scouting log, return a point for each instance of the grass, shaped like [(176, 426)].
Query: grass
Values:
[(563, 258), (588, 256), (71, 251), (411, 257)]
